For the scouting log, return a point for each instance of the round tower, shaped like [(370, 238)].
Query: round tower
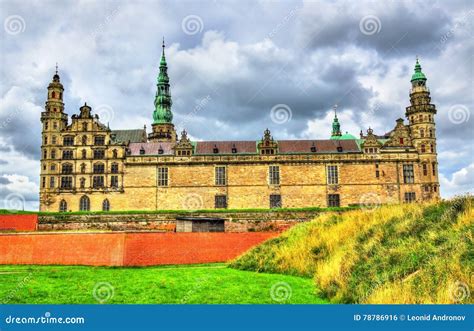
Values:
[(421, 117)]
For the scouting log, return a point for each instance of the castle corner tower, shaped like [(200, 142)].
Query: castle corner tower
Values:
[(420, 115), (163, 127)]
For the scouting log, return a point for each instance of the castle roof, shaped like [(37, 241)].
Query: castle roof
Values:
[(124, 136), (247, 147)]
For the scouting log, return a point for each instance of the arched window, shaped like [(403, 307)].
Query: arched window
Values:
[(84, 153), (422, 133), (432, 148), (114, 168), (84, 140), (431, 133), (84, 203), (98, 168), (83, 168), (53, 94), (423, 148), (106, 205), (53, 154), (63, 206), (83, 182), (114, 153)]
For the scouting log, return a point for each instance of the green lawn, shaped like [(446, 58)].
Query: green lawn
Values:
[(194, 284)]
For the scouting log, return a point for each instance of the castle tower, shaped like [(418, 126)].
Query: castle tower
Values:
[(336, 126), (420, 115), (54, 120), (163, 128)]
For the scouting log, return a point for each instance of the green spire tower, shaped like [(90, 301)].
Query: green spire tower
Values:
[(336, 126), (163, 128)]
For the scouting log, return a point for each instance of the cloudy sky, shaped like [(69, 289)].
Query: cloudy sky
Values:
[(236, 67)]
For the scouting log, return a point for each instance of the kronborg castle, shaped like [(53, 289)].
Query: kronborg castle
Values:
[(87, 166)]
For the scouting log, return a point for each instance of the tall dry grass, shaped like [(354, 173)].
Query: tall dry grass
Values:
[(412, 253)]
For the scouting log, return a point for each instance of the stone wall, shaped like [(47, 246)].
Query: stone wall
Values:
[(166, 222)]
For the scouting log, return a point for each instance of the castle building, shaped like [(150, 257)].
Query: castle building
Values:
[(87, 166)]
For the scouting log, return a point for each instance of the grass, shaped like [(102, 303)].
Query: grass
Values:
[(413, 253), (216, 211), (191, 284)]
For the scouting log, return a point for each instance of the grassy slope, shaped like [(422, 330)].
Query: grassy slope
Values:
[(394, 254), (175, 284)]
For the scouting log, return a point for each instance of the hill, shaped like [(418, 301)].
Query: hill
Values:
[(411, 253)]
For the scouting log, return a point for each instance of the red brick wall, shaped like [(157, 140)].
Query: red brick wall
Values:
[(18, 222), (126, 249)]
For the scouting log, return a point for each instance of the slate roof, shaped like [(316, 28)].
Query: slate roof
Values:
[(133, 136), (249, 147)]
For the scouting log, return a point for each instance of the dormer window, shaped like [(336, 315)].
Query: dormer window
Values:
[(142, 151), (215, 150), (160, 150), (339, 148), (313, 148), (234, 149), (401, 141)]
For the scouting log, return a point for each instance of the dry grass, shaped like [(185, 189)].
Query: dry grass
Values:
[(412, 253)]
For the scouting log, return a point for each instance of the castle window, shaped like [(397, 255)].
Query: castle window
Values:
[(82, 182), (66, 169), (68, 141), (63, 206), (313, 149), (53, 140), (105, 205), (425, 169), (84, 126), (67, 155), (410, 197), (51, 182), (83, 168), (339, 149), (53, 94), (43, 182), (60, 95), (44, 166), (53, 167), (215, 150), (275, 201), (84, 154), (423, 148), (99, 154), (66, 182), (84, 140), (99, 140), (142, 151), (160, 150), (84, 203), (114, 153), (432, 148), (45, 154), (53, 154), (55, 109), (401, 141), (333, 200), (114, 168), (422, 133), (46, 125), (332, 175), (98, 181), (55, 125), (433, 168), (377, 171), (114, 181), (408, 174), (431, 133), (45, 140), (162, 176), (220, 201), (98, 168), (427, 188), (220, 176), (274, 175), (435, 189)]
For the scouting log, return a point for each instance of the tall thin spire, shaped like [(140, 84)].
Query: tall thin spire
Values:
[(56, 68), (162, 113), (336, 127)]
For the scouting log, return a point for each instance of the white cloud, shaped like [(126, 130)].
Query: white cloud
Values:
[(462, 181)]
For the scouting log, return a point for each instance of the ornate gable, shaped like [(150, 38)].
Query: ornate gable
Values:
[(400, 136), (371, 144), (183, 147), (267, 145)]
